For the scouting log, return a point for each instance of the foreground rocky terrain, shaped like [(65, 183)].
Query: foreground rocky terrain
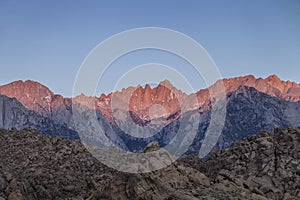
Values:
[(36, 166)]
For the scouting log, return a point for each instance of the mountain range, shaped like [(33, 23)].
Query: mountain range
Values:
[(253, 104)]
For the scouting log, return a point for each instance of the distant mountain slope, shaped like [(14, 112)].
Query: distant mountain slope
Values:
[(248, 112), (251, 110), (14, 115)]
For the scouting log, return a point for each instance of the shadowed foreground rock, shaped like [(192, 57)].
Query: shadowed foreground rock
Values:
[(36, 166)]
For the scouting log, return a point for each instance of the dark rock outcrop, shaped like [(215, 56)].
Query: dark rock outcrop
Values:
[(267, 164), (36, 166)]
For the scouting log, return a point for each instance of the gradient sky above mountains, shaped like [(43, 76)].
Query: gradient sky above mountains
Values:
[(47, 41)]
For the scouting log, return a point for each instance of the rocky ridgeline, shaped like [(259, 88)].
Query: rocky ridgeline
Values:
[(39, 98), (36, 166)]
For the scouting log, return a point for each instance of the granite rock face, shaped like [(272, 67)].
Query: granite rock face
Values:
[(36, 166)]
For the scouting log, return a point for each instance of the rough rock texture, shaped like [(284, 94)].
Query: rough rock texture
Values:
[(35, 166), (266, 164)]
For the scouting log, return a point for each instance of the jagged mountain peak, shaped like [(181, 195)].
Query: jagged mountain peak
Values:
[(147, 87), (35, 96), (273, 77), (166, 83), (20, 84), (31, 94)]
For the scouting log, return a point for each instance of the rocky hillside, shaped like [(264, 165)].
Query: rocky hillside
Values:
[(36, 166), (267, 163)]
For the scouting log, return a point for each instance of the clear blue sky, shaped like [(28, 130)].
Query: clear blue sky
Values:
[(47, 41)]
